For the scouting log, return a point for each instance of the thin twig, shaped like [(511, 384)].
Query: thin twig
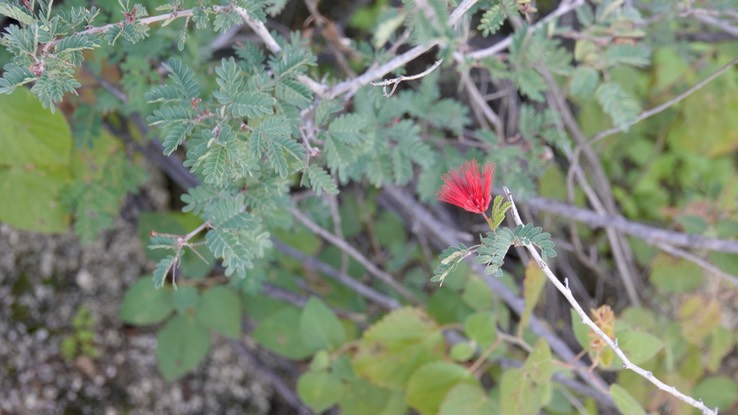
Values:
[(627, 364), (355, 254), (363, 290), (261, 30), (649, 234), (564, 7), (603, 201), (396, 81), (717, 23), (653, 111), (699, 262), (482, 104), (351, 85)]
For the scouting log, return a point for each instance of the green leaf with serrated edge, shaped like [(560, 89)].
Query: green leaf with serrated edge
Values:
[(517, 395), (30, 135), (467, 399), (477, 293), (430, 383), (721, 342), (319, 390), (539, 368), (533, 284), (394, 347), (675, 275), (639, 346), (143, 305), (461, 352), (625, 403), (526, 390), (280, 333), (180, 346), (482, 328), (363, 398), (699, 315), (319, 326), (35, 197), (220, 309), (186, 300), (718, 391)]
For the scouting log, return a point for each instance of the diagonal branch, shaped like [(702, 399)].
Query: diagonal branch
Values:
[(355, 254), (627, 364), (351, 85), (653, 111)]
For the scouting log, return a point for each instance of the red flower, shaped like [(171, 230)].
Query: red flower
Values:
[(468, 187)]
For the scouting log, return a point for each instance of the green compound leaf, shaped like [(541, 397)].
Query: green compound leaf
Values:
[(430, 383), (180, 346), (625, 403), (252, 105), (617, 103), (450, 258), (347, 128), (162, 270), (319, 326), (320, 180), (319, 390), (492, 20), (220, 309), (584, 81), (143, 305)]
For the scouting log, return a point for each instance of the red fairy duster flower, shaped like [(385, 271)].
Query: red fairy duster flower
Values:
[(468, 187)]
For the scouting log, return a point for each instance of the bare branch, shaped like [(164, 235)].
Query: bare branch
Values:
[(653, 111), (649, 234), (349, 86), (355, 254), (699, 261), (564, 7), (396, 81), (627, 364), (365, 291)]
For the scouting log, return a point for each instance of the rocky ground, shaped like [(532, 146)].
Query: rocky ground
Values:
[(44, 281)]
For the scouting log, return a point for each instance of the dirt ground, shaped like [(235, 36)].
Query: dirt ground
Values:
[(44, 281)]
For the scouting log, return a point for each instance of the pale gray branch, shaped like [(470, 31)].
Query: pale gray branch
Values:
[(613, 344)]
